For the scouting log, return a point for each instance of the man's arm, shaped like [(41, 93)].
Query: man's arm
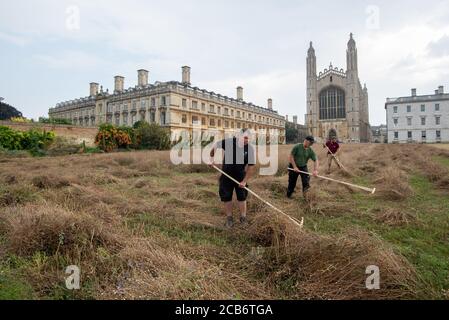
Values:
[(291, 159), (316, 163), (212, 151), (316, 166), (212, 154), (249, 173)]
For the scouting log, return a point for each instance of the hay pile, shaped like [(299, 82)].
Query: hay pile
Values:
[(48, 240), (38, 228), (312, 266), (395, 217), (157, 272), (393, 184)]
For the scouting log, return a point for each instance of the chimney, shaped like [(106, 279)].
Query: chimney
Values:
[(119, 84), (93, 89), (270, 104), (240, 93), (437, 92), (440, 90), (142, 78), (286, 118), (186, 75), (295, 119), (413, 92)]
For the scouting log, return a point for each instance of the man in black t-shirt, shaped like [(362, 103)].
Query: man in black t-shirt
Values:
[(238, 162)]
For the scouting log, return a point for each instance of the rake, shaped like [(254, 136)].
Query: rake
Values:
[(300, 224), (336, 159), (370, 190)]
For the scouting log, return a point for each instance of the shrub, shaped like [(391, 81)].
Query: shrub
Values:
[(141, 123), (152, 136), (110, 138), (35, 139), (142, 136), (10, 139), (20, 120), (135, 141), (54, 121)]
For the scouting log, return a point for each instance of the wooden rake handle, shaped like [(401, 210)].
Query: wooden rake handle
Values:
[(336, 159), (370, 190), (300, 224)]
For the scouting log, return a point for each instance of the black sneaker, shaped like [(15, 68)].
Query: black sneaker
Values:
[(289, 194), (243, 221), (229, 222)]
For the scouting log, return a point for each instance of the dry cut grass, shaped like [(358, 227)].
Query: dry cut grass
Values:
[(142, 228)]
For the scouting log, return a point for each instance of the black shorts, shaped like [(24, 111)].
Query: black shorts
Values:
[(227, 187)]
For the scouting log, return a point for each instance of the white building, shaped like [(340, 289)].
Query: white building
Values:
[(418, 119)]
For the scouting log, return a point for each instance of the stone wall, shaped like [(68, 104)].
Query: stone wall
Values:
[(76, 134)]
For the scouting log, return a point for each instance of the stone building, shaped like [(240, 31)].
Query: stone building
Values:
[(176, 105), (379, 134), (418, 119), (337, 104)]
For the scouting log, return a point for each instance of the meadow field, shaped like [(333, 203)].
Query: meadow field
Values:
[(140, 227)]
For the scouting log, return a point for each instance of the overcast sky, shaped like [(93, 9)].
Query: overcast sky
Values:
[(51, 50)]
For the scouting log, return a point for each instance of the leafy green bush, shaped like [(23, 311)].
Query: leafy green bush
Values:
[(132, 135), (141, 136), (152, 136), (55, 121), (141, 123), (34, 140), (10, 139)]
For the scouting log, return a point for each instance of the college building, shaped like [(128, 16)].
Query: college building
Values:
[(337, 104), (418, 119), (176, 105), (379, 134)]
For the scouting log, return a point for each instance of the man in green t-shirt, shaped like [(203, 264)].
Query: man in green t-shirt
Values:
[(299, 157)]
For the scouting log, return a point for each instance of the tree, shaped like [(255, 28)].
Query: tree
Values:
[(7, 112), (152, 136), (291, 133)]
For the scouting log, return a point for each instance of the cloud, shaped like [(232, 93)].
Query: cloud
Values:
[(439, 48), (260, 45), (16, 40), (73, 60), (395, 60)]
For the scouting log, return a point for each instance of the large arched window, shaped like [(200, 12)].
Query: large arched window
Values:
[(332, 103)]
